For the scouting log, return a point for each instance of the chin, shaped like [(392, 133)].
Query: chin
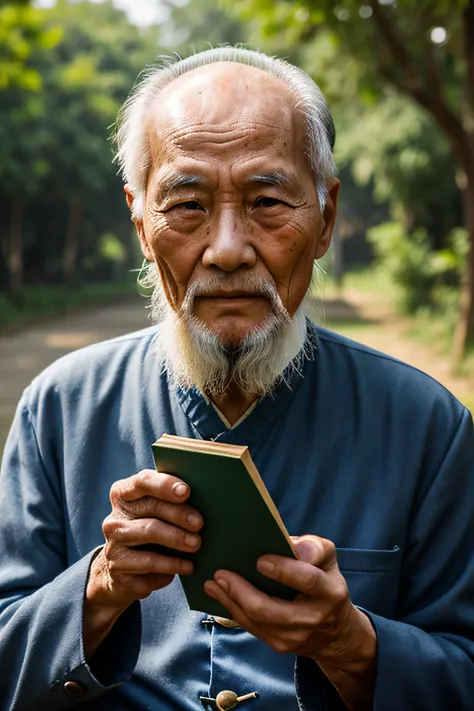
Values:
[(232, 338)]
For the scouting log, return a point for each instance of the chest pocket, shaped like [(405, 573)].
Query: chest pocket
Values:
[(372, 577)]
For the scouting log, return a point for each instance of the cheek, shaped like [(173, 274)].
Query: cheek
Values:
[(176, 254), (289, 257)]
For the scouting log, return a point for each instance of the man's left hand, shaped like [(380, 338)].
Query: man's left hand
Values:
[(321, 622)]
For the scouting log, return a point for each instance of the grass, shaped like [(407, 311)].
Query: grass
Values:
[(39, 301)]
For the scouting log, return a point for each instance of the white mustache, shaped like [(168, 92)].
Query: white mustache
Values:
[(245, 282)]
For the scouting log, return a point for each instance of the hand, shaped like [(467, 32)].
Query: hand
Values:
[(147, 508), (320, 623)]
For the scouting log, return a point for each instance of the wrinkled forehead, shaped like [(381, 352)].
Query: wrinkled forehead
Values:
[(219, 98)]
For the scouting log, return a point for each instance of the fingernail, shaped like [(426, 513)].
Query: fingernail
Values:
[(187, 567), (191, 540), (193, 519), (266, 567), (222, 583), (180, 489)]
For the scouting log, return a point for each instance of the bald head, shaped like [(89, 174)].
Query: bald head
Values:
[(225, 104), (217, 92), (216, 85)]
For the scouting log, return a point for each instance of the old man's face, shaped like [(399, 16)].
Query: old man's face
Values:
[(230, 194)]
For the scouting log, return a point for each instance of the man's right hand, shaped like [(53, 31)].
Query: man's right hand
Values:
[(147, 508)]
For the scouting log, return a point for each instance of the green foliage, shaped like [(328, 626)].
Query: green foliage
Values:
[(112, 248), (397, 149), (21, 33), (426, 278), (55, 152)]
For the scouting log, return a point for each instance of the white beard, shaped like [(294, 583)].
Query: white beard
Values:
[(194, 357)]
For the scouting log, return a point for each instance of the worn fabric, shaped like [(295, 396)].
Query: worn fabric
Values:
[(356, 447)]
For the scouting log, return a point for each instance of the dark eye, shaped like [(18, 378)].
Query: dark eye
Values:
[(186, 205), (267, 202), (191, 205)]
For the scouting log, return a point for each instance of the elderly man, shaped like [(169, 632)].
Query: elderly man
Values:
[(227, 157)]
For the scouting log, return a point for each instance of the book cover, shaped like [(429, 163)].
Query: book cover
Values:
[(241, 522)]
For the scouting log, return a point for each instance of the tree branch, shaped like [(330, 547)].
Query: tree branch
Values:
[(410, 82), (468, 32), (395, 45)]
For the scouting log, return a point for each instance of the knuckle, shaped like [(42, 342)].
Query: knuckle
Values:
[(325, 550), (110, 526), (149, 530), (329, 548), (115, 494), (143, 478), (340, 593)]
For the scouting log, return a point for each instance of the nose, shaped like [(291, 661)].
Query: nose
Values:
[(228, 246)]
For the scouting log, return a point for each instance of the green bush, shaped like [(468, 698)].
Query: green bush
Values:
[(427, 279)]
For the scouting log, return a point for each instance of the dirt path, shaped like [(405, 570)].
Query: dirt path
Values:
[(24, 354), (378, 326)]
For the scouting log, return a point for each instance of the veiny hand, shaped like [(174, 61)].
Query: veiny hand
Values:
[(320, 623), (147, 508)]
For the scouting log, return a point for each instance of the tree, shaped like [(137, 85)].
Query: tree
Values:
[(21, 33), (425, 50), (59, 191), (410, 165)]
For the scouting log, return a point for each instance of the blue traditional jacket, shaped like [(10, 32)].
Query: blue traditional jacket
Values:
[(356, 447)]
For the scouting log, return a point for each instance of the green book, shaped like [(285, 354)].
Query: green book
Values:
[(241, 522)]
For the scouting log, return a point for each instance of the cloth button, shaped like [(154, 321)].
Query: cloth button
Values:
[(72, 688)]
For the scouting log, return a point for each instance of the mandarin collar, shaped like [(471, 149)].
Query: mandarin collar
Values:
[(207, 424)]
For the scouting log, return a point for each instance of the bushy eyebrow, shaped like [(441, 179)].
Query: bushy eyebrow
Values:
[(276, 178), (175, 181)]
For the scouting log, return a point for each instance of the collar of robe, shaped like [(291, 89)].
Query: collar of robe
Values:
[(252, 429)]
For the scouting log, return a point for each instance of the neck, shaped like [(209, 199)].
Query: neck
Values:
[(233, 403)]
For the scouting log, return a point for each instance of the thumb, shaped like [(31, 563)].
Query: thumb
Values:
[(315, 550)]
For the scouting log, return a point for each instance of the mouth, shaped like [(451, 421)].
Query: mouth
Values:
[(232, 295)]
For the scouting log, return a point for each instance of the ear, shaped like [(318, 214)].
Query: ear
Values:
[(147, 253), (328, 219)]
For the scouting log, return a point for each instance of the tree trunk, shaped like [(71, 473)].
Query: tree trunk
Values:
[(15, 257), (464, 332), (72, 241)]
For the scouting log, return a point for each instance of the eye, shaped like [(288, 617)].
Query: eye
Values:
[(188, 205), (267, 202)]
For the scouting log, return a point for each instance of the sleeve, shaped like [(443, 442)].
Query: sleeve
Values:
[(41, 599), (426, 655)]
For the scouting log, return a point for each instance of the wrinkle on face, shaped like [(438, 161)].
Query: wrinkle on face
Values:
[(213, 132)]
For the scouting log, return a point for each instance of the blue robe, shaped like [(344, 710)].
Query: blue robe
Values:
[(357, 447)]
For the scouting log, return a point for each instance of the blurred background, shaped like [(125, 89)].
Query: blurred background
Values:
[(399, 77)]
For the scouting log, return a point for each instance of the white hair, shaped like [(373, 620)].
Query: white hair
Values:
[(194, 356), (133, 150)]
